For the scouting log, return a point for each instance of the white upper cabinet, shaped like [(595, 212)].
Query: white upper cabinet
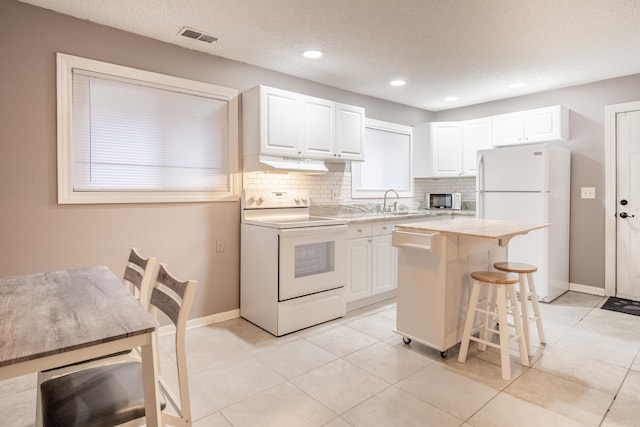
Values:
[(280, 123), (531, 126), (349, 133), (446, 149), (279, 135), (319, 128), (476, 135)]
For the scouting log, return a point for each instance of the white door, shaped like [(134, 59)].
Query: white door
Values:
[(628, 205)]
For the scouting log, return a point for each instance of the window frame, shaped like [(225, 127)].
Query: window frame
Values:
[(66, 195), (357, 193)]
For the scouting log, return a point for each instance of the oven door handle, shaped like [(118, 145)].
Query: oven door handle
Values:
[(307, 231)]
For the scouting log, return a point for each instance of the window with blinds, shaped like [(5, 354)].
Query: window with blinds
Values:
[(388, 163), (135, 136)]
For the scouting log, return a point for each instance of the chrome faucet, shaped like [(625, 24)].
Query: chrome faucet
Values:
[(384, 203)]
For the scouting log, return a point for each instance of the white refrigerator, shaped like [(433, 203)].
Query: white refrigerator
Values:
[(531, 183)]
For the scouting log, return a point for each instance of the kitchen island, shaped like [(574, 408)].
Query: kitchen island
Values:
[(435, 259)]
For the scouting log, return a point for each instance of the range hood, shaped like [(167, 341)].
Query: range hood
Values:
[(284, 164)]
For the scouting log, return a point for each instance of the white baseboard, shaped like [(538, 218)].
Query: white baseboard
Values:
[(592, 290), (352, 305), (202, 321)]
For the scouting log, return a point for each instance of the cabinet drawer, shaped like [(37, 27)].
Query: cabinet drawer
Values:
[(361, 229), (382, 228)]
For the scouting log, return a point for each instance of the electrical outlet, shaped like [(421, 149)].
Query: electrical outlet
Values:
[(219, 245), (588, 192)]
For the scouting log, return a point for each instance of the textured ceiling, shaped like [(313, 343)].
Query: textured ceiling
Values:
[(468, 48)]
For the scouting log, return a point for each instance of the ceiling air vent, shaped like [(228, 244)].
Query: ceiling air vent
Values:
[(197, 35)]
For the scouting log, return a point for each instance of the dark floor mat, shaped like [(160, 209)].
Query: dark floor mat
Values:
[(622, 305)]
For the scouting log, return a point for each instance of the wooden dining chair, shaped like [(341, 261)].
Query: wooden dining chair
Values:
[(138, 278), (114, 394)]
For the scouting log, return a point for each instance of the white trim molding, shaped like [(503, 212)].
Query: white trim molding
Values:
[(591, 290), (201, 321)]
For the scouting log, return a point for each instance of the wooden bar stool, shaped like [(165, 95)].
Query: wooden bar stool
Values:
[(527, 291), (501, 286)]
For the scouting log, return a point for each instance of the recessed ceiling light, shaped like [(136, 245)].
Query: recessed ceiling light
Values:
[(312, 54), (516, 85), (398, 82), (451, 98)]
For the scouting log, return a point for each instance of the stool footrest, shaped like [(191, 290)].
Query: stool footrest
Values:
[(485, 342)]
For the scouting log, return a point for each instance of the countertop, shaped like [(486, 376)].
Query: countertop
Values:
[(486, 228), (357, 217)]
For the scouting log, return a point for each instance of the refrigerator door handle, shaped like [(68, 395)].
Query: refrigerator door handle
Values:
[(480, 186)]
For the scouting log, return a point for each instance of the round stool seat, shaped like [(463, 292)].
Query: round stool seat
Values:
[(515, 267), (494, 277)]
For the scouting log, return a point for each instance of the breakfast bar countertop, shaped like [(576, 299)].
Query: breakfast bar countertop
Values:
[(485, 228)]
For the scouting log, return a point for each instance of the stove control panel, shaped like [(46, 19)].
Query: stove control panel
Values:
[(262, 199)]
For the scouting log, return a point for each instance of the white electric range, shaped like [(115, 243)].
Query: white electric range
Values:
[(292, 264)]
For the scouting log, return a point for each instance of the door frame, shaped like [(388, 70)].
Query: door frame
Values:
[(610, 180)]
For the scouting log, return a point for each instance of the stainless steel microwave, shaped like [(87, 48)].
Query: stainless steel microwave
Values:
[(444, 201)]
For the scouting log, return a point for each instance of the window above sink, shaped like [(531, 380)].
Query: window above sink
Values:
[(388, 161)]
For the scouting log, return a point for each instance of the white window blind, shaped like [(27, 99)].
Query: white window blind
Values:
[(388, 162), (135, 136), (130, 137), (387, 155)]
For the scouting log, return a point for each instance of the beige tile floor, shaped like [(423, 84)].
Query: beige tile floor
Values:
[(356, 372)]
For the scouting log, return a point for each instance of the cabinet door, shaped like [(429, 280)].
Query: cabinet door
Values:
[(358, 269), (543, 124), (349, 132), (279, 123), (446, 149), (476, 135), (421, 145), (319, 128), (507, 129), (383, 265)]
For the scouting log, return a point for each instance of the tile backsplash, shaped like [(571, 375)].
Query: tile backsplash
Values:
[(335, 188)]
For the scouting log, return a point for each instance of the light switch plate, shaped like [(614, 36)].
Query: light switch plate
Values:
[(588, 192)]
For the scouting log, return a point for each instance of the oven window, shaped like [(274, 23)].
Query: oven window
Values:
[(314, 258)]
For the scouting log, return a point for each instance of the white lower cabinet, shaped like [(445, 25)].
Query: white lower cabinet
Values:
[(358, 268), (371, 259)]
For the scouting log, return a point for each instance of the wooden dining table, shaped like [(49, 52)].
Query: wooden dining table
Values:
[(58, 318)]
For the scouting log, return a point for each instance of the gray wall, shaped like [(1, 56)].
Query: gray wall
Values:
[(587, 116), (37, 234)]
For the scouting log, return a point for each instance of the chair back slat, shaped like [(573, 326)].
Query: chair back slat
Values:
[(139, 274), (133, 276), (163, 301), (169, 293)]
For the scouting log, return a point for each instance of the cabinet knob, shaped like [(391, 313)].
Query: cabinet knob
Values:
[(384, 228)]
